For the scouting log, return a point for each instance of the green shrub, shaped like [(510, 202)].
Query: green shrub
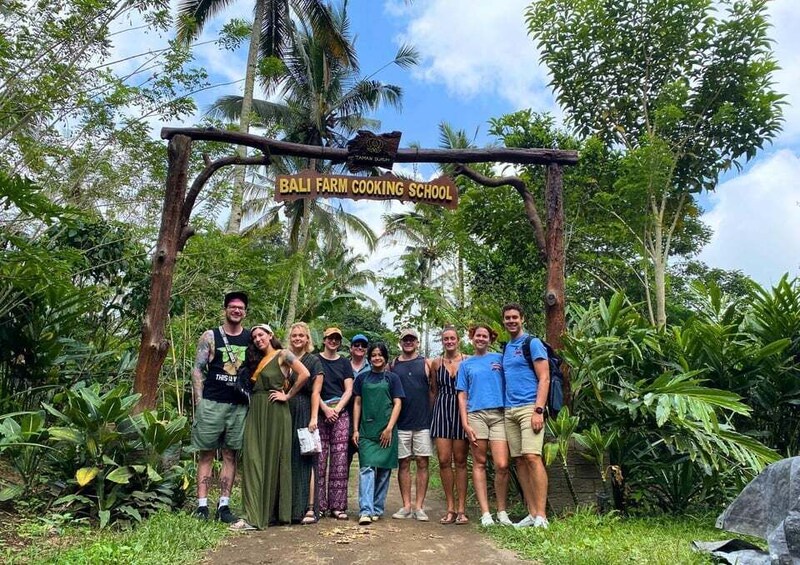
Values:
[(114, 465)]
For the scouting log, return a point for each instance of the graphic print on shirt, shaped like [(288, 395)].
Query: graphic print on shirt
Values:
[(228, 366)]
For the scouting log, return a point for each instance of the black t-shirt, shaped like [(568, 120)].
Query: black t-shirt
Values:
[(220, 381), (415, 413), (311, 362), (336, 372)]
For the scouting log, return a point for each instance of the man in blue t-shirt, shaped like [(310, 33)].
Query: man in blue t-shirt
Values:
[(525, 399)]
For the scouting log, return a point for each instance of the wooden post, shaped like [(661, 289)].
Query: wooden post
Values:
[(154, 345), (554, 302)]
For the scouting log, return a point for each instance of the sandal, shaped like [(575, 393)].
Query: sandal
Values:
[(339, 515), (449, 518), (309, 518), (461, 519)]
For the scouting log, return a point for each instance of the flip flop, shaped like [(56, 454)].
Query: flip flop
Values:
[(449, 518), (461, 519)]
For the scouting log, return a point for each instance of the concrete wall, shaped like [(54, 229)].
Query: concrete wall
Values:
[(585, 480)]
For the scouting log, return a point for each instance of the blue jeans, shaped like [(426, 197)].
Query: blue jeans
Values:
[(373, 486)]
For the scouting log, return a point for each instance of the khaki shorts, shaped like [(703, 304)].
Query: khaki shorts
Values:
[(218, 425), (414, 443), (521, 438), (488, 424)]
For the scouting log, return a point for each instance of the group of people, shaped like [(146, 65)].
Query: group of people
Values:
[(389, 412)]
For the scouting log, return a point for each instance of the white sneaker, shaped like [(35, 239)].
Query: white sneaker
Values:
[(540, 522), (527, 522), (241, 526), (503, 518), (420, 515), (403, 514), (486, 520)]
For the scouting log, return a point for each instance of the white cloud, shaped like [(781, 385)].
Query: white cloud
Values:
[(476, 47), (785, 18), (756, 221)]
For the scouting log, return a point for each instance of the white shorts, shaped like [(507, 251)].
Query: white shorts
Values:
[(414, 443)]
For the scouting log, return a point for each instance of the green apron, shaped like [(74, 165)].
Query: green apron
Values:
[(376, 409)]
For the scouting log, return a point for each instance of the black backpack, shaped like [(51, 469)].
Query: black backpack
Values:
[(555, 396)]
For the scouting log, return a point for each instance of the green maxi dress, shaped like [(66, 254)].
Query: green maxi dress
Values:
[(267, 453)]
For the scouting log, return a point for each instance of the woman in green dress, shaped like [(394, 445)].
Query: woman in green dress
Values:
[(267, 447), (378, 398)]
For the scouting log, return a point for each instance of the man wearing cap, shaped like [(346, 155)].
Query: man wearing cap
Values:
[(220, 408), (360, 365), (334, 427), (414, 424), (358, 354)]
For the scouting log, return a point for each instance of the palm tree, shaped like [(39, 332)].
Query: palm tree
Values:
[(324, 103), (338, 276), (270, 37)]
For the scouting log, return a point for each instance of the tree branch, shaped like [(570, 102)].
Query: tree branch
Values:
[(210, 168), (527, 198)]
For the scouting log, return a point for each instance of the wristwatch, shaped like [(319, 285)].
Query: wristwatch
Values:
[(539, 410)]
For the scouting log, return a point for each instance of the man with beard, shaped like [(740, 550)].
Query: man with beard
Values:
[(220, 408)]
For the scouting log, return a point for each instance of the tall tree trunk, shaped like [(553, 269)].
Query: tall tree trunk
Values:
[(554, 299), (300, 254), (235, 219), (154, 345)]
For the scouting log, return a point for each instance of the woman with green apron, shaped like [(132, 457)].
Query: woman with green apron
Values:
[(378, 395)]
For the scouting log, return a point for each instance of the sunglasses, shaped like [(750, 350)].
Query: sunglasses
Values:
[(334, 338), (358, 345)]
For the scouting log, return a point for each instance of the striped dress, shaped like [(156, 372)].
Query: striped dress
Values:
[(445, 421)]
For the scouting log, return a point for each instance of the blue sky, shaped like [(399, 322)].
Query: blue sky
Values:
[(478, 63)]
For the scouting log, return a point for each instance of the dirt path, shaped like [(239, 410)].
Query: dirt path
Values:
[(387, 541)]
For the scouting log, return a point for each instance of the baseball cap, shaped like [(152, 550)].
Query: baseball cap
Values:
[(233, 296), (332, 331), (359, 337), (406, 332)]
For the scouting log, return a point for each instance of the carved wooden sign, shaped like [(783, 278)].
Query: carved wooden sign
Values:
[(311, 184), (369, 149)]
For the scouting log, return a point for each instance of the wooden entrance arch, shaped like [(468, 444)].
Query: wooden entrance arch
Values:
[(180, 197)]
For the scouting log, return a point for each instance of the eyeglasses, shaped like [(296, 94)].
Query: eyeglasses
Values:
[(358, 345), (334, 338), (240, 308)]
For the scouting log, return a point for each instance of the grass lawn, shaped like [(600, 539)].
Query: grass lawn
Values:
[(588, 538), (167, 537)]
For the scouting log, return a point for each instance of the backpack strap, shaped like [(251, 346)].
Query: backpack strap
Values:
[(231, 355), (526, 352)]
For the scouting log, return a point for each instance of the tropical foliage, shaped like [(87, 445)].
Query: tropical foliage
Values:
[(682, 410), (98, 458)]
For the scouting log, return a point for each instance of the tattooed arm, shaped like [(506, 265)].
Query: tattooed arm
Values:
[(203, 356)]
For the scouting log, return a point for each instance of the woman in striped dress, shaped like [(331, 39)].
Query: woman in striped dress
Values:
[(447, 430)]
